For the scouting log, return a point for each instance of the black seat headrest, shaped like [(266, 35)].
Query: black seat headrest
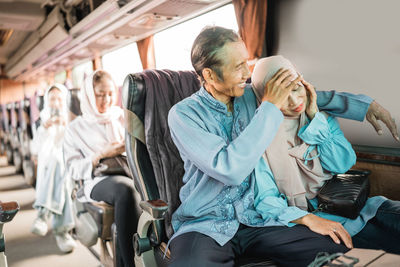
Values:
[(74, 101), (40, 102), (149, 95)]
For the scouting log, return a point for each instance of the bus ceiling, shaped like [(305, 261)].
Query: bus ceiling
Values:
[(49, 35)]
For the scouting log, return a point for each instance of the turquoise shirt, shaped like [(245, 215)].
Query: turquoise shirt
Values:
[(218, 191)]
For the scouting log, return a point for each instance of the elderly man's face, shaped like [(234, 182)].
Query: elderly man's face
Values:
[(235, 72)]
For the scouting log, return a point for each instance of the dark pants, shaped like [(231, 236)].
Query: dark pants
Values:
[(382, 231), (119, 192), (295, 246)]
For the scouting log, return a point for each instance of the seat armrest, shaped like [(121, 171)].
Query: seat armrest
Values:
[(8, 211), (155, 208)]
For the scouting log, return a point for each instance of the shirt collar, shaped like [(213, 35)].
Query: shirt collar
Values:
[(212, 102)]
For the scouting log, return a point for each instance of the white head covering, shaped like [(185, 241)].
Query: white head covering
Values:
[(89, 108), (45, 114), (264, 69)]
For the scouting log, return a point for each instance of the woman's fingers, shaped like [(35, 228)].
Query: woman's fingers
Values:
[(334, 237), (374, 122), (377, 112), (344, 236)]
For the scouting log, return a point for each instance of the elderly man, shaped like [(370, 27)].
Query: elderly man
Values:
[(221, 136)]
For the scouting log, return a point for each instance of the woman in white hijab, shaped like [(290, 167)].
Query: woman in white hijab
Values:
[(52, 190), (308, 148), (98, 134)]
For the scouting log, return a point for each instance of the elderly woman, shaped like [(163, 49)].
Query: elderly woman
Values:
[(98, 134), (308, 148), (52, 197)]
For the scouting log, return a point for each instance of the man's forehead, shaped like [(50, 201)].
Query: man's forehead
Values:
[(233, 53)]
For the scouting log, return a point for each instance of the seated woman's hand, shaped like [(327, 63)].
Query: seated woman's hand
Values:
[(326, 227), (58, 120), (111, 150), (48, 123)]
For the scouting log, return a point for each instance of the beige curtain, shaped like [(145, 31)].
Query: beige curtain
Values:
[(251, 16), (146, 52)]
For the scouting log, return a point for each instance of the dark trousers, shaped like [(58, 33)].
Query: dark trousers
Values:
[(382, 231), (119, 192), (295, 246)]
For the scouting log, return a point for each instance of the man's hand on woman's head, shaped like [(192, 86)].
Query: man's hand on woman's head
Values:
[(377, 112), (278, 88), (312, 107)]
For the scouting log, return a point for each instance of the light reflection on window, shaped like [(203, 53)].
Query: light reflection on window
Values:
[(173, 45), (60, 77), (121, 62), (80, 72)]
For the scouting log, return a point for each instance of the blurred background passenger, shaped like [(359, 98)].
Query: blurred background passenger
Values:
[(98, 134), (52, 190)]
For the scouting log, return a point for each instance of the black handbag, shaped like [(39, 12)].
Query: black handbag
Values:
[(345, 194), (117, 165)]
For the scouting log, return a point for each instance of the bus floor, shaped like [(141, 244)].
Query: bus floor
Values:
[(24, 249)]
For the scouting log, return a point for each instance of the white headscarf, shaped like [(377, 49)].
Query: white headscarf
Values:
[(89, 108), (45, 114), (111, 119)]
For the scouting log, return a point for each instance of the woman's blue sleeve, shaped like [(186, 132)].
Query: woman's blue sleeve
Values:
[(335, 152), (344, 105)]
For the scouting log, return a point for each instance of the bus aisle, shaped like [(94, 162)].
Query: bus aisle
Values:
[(24, 249)]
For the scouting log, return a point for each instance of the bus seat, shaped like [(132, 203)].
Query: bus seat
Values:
[(101, 222), (39, 99), (154, 159), (7, 213), (15, 142), (3, 129), (34, 113), (25, 137), (8, 134), (73, 103)]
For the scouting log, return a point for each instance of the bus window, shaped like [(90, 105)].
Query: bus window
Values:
[(79, 72), (121, 62), (60, 77), (172, 46)]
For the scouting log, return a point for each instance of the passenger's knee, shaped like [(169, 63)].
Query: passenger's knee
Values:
[(124, 192)]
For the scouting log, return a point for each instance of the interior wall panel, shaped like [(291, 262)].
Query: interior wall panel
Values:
[(346, 45)]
